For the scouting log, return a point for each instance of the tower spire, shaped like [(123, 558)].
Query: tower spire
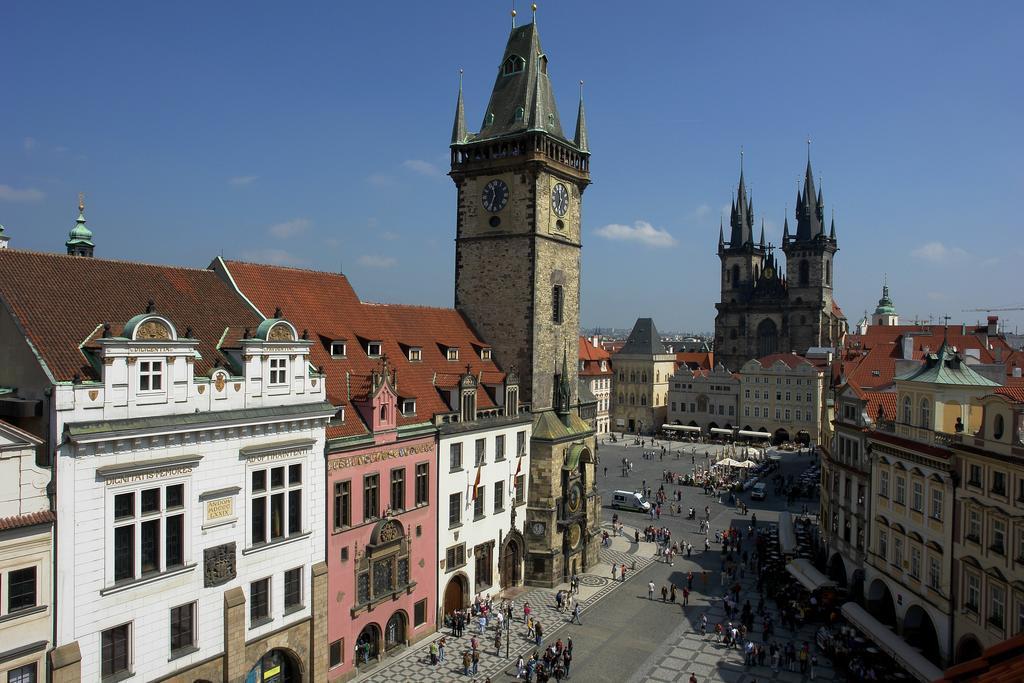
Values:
[(582, 143), (832, 229), (79, 241), (762, 232), (459, 127), (721, 234)]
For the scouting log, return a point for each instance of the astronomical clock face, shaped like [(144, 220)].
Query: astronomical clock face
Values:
[(538, 528), (575, 498), (495, 195), (560, 199), (769, 273), (574, 536)]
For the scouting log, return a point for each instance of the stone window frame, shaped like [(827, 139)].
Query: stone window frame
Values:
[(137, 519), (389, 544)]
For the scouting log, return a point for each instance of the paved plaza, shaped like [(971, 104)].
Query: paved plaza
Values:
[(624, 635)]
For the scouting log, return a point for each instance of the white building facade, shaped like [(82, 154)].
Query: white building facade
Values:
[(481, 547), (183, 498), (26, 546)]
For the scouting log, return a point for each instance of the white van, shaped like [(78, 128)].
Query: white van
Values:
[(759, 492), (630, 500)]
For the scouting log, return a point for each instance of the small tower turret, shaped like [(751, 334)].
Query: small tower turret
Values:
[(80, 238)]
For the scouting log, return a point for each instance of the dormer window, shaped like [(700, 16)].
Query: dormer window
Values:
[(604, 366), (151, 375), (453, 353), (513, 65), (415, 354), (338, 349), (409, 407), (373, 349), (384, 412), (485, 354), (519, 113), (278, 370)]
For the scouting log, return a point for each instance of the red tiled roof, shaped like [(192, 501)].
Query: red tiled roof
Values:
[(591, 356), (698, 359), (29, 519), (836, 311), (327, 305), (884, 399), (870, 359), (1001, 663), (1014, 392), (61, 301)]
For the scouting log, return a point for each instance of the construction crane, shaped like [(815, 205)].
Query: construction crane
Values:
[(991, 310)]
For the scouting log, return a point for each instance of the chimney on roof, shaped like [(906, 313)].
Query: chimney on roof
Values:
[(993, 325), (1016, 372), (907, 343)]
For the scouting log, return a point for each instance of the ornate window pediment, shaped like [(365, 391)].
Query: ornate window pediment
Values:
[(382, 569)]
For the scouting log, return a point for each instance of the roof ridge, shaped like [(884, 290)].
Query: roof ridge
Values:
[(282, 267), (104, 260)]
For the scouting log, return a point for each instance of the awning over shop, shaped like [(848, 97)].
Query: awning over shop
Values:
[(680, 428), (754, 435), (719, 430), (909, 658), (808, 575), (787, 536)]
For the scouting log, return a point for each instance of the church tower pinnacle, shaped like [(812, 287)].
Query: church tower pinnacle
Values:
[(80, 238)]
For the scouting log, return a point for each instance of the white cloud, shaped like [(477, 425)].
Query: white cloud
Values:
[(389, 236), (242, 180), (937, 252), (370, 261), (701, 212), (14, 194), (275, 257), (29, 144), (422, 167), (380, 180), (289, 228), (641, 231)]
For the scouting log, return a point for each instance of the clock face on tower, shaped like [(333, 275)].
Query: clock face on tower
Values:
[(575, 498), (560, 199), (495, 195)]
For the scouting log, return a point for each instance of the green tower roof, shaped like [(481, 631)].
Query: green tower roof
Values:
[(80, 234), (946, 367), (885, 306)]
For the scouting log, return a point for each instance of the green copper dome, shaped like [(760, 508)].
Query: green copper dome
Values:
[(80, 234), (885, 306)]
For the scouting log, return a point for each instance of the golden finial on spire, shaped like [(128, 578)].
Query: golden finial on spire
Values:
[(513, 13), (81, 202), (534, 8), (581, 89)]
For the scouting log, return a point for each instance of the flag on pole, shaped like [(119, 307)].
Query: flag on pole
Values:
[(476, 484), (519, 468)]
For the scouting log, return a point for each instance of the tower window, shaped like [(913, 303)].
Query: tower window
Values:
[(735, 276), (557, 303), (513, 65), (828, 273), (519, 113), (805, 273)]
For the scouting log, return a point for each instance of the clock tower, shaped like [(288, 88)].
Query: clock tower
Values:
[(520, 184)]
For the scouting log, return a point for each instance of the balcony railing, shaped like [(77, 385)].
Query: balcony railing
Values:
[(922, 434)]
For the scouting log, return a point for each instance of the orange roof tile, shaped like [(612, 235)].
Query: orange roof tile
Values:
[(29, 519), (63, 301), (591, 356), (1001, 663), (791, 359), (327, 305)]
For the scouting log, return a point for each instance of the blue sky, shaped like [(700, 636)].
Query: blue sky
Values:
[(316, 135)]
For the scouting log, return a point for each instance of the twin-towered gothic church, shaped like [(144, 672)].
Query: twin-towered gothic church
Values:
[(767, 307)]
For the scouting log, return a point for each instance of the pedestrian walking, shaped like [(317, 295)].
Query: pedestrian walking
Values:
[(567, 661), (703, 625), (538, 632), (686, 597), (467, 662), (576, 615), (614, 569), (673, 593), (650, 590), (433, 654), (664, 593), (442, 645), (476, 661), (497, 644), (622, 572)]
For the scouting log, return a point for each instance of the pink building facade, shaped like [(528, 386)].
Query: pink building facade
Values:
[(382, 535)]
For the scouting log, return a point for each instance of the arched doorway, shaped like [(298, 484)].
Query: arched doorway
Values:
[(837, 570), (767, 338), (368, 644), (277, 666), (919, 632), (781, 436), (511, 560), (968, 649), (394, 631), (857, 587), (881, 604), (456, 594), (803, 438)]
